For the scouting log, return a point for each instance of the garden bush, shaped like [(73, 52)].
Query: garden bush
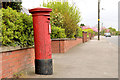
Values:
[(57, 32), (17, 28), (89, 31), (78, 32)]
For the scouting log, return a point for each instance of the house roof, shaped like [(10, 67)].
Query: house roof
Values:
[(24, 10), (11, 0)]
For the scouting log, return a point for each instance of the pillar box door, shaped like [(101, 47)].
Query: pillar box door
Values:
[(42, 41)]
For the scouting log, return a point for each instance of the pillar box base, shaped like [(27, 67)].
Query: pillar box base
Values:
[(43, 67)]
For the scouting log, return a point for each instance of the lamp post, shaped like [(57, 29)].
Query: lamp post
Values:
[(98, 19)]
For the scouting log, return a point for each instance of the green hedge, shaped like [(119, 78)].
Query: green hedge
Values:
[(17, 28), (78, 32), (57, 32), (89, 31)]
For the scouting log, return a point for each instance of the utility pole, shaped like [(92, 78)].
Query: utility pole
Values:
[(98, 19)]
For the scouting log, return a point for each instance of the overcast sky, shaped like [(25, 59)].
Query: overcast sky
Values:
[(89, 11)]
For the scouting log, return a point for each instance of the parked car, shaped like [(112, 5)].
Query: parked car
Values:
[(107, 35)]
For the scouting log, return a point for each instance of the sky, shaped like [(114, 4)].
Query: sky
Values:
[(88, 11)]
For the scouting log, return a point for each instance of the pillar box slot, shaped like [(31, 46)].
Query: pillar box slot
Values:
[(42, 41)]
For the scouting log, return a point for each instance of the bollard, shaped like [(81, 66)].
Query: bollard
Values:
[(42, 41)]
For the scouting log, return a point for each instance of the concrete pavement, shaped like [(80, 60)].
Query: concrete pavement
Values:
[(93, 59)]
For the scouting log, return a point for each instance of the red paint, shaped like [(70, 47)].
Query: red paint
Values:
[(42, 39)]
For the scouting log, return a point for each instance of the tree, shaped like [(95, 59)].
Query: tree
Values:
[(82, 24), (112, 30), (14, 5), (103, 31), (65, 16)]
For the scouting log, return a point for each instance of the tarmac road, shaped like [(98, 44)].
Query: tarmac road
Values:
[(112, 39), (116, 41)]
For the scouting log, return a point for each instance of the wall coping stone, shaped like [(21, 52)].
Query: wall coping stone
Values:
[(11, 48), (64, 39)]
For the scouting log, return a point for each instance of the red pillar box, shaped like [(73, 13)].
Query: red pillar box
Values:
[(42, 41)]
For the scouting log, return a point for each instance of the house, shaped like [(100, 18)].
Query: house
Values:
[(3, 4)]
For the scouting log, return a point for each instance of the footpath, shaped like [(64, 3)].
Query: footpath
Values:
[(93, 59)]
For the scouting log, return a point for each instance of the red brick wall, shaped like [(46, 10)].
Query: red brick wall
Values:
[(55, 46), (12, 62), (15, 61), (68, 44), (62, 46)]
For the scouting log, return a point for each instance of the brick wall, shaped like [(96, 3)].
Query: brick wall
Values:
[(68, 44), (15, 61), (55, 44), (63, 45)]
